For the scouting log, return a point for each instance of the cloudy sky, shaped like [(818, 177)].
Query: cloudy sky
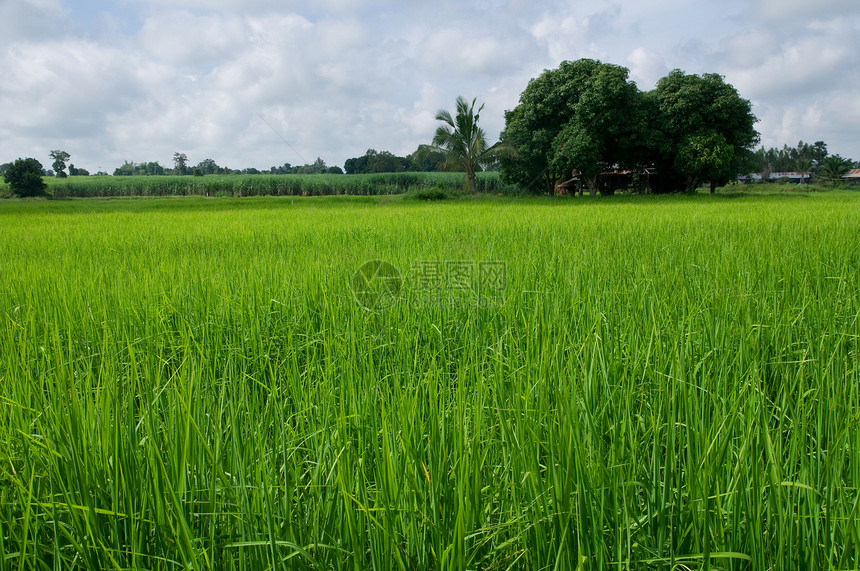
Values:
[(115, 80)]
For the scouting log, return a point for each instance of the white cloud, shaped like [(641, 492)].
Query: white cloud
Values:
[(571, 37), (646, 68), (30, 20), (339, 76), (798, 10), (767, 65), (181, 38)]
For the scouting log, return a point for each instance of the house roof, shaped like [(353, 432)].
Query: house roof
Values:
[(776, 175), (790, 174), (854, 173)]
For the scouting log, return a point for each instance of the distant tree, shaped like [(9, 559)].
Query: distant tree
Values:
[(4, 167), (464, 143), (426, 158), (77, 172), (804, 166), (127, 169), (375, 162), (208, 166), (334, 170), (388, 162), (152, 168), (59, 164), (789, 159), (180, 162), (287, 168), (318, 167), (832, 169), (817, 152), (357, 165), (24, 178)]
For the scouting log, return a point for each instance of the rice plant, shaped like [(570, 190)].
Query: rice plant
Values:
[(669, 383)]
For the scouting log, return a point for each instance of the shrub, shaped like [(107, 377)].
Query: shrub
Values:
[(24, 177)]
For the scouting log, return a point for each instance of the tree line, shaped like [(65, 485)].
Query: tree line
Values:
[(808, 160), (209, 166)]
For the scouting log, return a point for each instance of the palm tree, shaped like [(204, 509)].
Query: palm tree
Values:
[(832, 168), (464, 143), (804, 165)]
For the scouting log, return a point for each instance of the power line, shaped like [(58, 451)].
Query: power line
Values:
[(282, 138)]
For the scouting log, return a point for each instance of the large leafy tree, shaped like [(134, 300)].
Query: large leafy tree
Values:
[(706, 156), (24, 177), (584, 116), (699, 128), (464, 143)]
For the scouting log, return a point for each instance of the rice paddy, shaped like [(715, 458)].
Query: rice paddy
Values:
[(623, 383)]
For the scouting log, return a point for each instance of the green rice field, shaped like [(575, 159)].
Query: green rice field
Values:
[(616, 383)]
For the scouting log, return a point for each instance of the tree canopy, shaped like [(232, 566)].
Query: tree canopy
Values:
[(582, 116), (698, 126), (587, 117), (24, 177)]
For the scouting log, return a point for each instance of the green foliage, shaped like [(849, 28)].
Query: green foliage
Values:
[(586, 117), (583, 117), (465, 144), (706, 156), (74, 171), (59, 164), (264, 185), (318, 167), (832, 168), (660, 384), (789, 159), (438, 192), (180, 162), (376, 162), (426, 158), (207, 166), (24, 178), (701, 111)]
